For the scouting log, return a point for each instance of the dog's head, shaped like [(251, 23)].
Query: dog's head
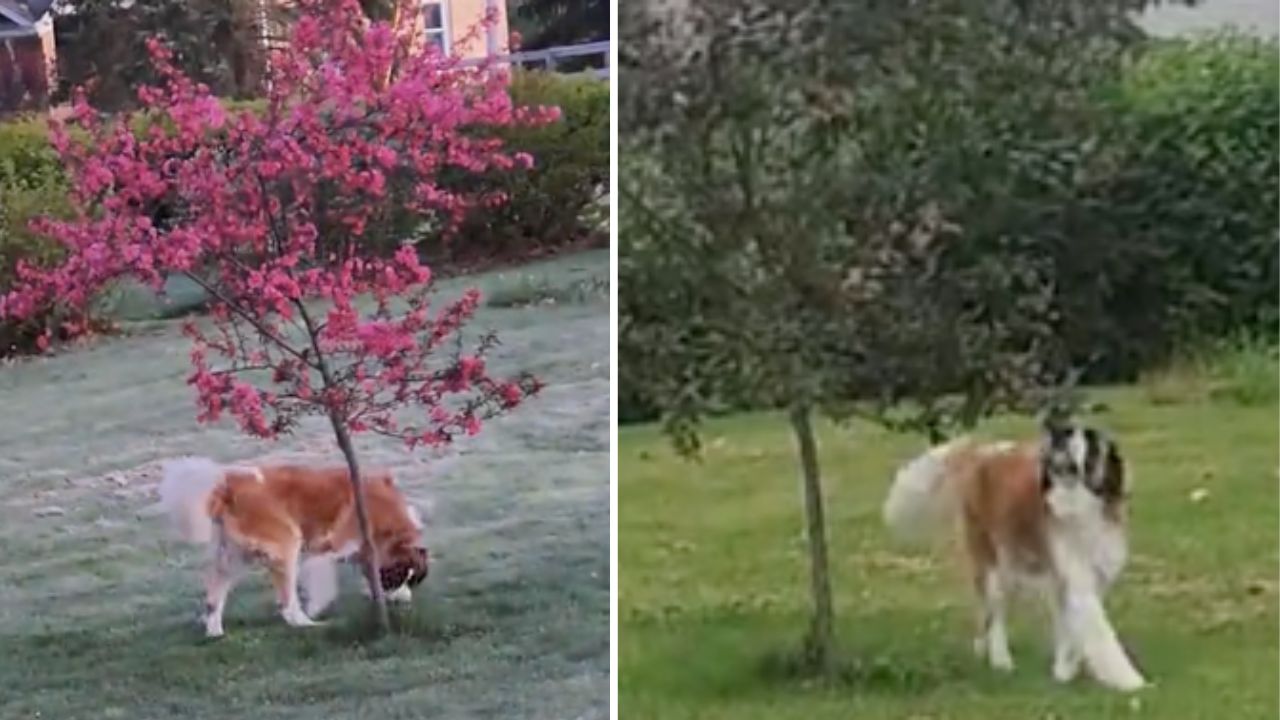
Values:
[(1074, 455), (404, 563)]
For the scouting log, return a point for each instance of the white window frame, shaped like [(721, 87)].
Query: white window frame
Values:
[(443, 31)]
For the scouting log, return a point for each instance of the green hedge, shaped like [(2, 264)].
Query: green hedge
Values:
[(1171, 233), (553, 205), (1153, 207), (26, 159), (557, 203), (31, 185), (1197, 190)]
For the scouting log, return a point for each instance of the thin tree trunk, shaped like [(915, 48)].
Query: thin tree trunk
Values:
[(818, 643), (369, 552)]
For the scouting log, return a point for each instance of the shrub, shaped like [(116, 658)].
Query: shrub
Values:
[(271, 217), (1243, 371), (1146, 195), (1240, 369), (26, 158), (1187, 203), (551, 205), (31, 185), (529, 291)]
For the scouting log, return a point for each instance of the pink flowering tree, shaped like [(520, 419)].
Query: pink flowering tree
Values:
[(275, 212)]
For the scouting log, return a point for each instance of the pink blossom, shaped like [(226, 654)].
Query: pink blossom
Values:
[(271, 213)]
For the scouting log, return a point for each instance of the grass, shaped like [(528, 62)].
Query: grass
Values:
[(531, 289), (713, 579), (1240, 370), (98, 608)]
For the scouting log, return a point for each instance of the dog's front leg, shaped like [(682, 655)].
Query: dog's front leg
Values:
[(1097, 643), (1066, 656), (283, 564), (1090, 631), (318, 577), (223, 573)]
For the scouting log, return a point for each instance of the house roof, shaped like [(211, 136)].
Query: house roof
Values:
[(17, 13), (16, 20)]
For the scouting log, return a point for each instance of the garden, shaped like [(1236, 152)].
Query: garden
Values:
[(386, 256), (905, 223)]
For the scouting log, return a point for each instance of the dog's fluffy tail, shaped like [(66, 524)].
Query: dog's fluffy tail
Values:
[(184, 494), (921, 505)]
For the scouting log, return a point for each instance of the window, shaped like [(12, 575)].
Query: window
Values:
[(435, 21)]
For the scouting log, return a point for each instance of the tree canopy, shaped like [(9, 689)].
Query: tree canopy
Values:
[(853, 207)]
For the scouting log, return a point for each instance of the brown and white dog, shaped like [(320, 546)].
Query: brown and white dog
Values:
[(295, 521), (1049, 514)]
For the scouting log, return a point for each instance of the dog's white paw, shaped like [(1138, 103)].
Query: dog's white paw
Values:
[(1002, 661), (401, 594), (980, 647), (1126, 682), (1064, 671), (295, 617), (318, 580)]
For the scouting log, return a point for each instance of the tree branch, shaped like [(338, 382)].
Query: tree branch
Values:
[(257, 324)]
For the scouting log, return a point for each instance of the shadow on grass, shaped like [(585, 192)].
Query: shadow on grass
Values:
[(530, 291), (356, 627), (728, 654), (873, 672)]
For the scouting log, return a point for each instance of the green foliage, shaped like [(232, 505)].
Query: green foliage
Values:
[(1240, 369), (834, 207), (860, 214), (530, 290), (1135, 183), (549, 206), (31, 185), (26, 158), (561, 22), (216, 42), (1244, 370), (1186, 207), (104, 416), (712, 593)]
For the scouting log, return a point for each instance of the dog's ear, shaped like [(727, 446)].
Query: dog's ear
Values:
[(1046, 467), (1114, 485), (421, 566), (1055, 422)]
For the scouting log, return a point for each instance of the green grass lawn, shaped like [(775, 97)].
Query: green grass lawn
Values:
[(714, 579), (99, 608)]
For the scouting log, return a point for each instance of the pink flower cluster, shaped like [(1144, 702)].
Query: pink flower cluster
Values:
[(280, 213)]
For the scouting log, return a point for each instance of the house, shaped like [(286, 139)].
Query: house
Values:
[(452, 25), (448, 23), (1259, 17), (28, 52), (28, 55)]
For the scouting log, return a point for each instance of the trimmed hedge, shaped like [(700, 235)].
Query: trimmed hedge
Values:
[(553, 205), (31, 185), (1171, 235), (1154, 210), (1197, 189), (556, 203)]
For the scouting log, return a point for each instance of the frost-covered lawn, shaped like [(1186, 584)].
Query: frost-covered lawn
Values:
[(98, 606)]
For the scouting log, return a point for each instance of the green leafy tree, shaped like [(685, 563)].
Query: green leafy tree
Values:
[(102, 43), (546, 23), (839, 208)]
